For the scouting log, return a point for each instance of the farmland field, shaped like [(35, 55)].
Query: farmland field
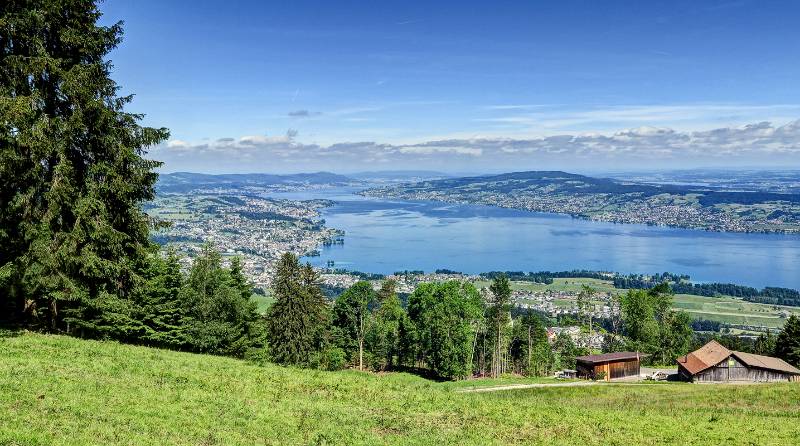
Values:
[(56, 390), (724, 309)]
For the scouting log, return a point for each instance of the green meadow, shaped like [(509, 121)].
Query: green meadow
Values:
[(57, 390)]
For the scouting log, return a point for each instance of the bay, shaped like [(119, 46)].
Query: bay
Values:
[(384, 236)]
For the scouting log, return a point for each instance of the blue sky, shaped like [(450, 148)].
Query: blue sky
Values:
[(295, 86)]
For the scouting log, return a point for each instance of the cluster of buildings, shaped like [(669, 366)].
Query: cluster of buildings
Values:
[(659, 210), (404, 283), (591, 340), (558, 303), (259, 230), (711, 363)]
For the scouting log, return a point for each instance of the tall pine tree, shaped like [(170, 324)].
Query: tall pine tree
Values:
[(297, 321), (787, 345), (72, 231)]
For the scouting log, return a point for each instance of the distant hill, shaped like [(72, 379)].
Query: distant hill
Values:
[(187, 181), (571, 183), (392, 175)]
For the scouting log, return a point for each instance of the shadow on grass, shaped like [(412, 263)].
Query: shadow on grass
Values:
[(421, 372), (9, 330)]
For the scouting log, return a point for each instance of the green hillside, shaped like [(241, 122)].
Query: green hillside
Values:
[(57, 390)]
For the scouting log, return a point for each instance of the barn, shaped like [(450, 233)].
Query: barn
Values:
[(713, 362), (609, 365)]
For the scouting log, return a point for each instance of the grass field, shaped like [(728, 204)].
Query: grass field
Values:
[(559, 284), (263, 302), (57, 390), (732, 311)]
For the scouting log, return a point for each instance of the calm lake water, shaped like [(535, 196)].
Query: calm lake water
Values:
[(384, 236)]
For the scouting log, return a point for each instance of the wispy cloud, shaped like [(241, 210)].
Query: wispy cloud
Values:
[(409, 22), (602, 118), (303, 113)]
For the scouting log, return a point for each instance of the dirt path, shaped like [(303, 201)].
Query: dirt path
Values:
[(528, 386)]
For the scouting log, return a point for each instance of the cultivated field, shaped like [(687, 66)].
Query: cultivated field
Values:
[(56, 390), (725, 309)]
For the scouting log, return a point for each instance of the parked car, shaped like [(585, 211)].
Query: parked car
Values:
[(658, 375), (566, 374)]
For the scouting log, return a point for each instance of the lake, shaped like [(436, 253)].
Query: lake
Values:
[(384, 236)]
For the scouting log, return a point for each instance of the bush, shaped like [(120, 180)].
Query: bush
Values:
[(331, 359)]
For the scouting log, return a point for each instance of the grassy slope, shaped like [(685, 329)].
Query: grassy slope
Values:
[(58, 390)]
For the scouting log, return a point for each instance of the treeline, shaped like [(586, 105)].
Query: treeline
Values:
[(681, 284), (446, 329), (450, 330)]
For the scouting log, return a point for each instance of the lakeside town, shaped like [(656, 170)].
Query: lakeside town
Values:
[(256, 229), (604, 200)]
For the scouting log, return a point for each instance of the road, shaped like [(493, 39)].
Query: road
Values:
[(529, 386)]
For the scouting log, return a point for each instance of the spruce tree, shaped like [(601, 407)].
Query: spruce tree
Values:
[(162, 311), (297, 320), (217, 318), (72, 230), (787, 345)]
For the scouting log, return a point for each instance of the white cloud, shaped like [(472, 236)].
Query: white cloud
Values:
[(644, 147), (431, 150)]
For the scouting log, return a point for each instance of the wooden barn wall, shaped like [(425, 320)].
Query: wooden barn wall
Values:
[(623, 369), (613, 370), (731, 369)]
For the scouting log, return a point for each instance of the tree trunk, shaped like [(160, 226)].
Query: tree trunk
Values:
[(529, 350), (498, 359), (361, 354), (361, 342), (53, 314)]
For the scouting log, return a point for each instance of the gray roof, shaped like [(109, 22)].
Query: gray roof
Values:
[(611, 357)]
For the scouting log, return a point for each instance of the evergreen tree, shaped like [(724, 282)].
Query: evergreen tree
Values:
[(297, 321), (162, 311), (219, 318), (72, 230), (764, 344), (787, 345)]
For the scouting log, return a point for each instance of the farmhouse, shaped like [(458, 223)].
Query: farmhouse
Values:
[(715, 363), (609, 365)]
